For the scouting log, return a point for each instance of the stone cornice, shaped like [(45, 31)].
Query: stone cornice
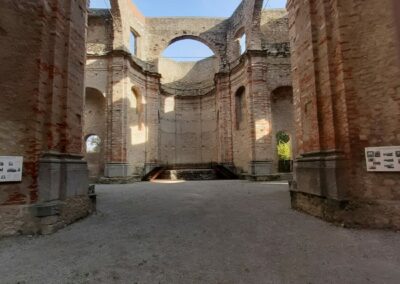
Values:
[(128, 56)]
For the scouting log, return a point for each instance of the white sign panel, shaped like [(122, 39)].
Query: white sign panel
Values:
[(10, 169), (383, 159)]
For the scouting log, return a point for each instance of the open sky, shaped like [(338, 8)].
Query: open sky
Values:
[(192, 8)]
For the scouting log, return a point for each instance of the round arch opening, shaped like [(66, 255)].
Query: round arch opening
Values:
[(93, 144), (188, 67)]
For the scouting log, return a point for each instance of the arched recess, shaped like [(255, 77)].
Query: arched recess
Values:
[(283, 125), (95, 125), (240, 108), (137, 106), (241, 130)]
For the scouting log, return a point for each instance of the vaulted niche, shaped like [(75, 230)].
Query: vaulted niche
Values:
[(188, 67)]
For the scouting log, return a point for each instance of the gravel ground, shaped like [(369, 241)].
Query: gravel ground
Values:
[(201, 232)]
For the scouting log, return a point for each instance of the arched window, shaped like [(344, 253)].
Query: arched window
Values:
[(241, 40), (93, 144), (239, 106), (243, 45), (133, 42)]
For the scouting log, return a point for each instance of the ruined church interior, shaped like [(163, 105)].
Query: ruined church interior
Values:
[(274, 158)]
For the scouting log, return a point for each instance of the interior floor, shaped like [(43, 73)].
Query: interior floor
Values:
[(201, 232)]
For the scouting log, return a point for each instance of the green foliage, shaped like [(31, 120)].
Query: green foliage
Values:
[(282, 137), (284, 146), (284, 151)]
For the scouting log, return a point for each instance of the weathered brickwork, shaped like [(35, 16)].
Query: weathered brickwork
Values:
[(347, 97), (42, 71), (188, 130), (343, 60), (187, 112)]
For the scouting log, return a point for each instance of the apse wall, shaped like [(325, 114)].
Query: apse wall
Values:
[(189, 77), (188, 129)]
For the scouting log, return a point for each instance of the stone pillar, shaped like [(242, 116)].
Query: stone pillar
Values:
[(152, 122), (335, 119), (43, 115), (62, 171), (320, 159), (260, 117), (225, 147), (117, 165)]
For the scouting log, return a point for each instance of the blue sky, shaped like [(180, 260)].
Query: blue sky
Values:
[(201, 8), (193, 8)]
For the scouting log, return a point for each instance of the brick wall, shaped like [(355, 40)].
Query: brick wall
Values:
[(188, 129), (346, 93), (42, 87), (202, 106), (43, 80)]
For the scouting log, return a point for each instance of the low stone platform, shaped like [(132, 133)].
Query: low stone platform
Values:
[(119, 180), (188, 174), (272, 177)]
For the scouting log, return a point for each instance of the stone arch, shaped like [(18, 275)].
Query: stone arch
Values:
[(280, 91), (193, 77), (200, 39), (89, 89)]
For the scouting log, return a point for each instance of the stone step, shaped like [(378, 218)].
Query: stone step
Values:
[(188, 174)]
